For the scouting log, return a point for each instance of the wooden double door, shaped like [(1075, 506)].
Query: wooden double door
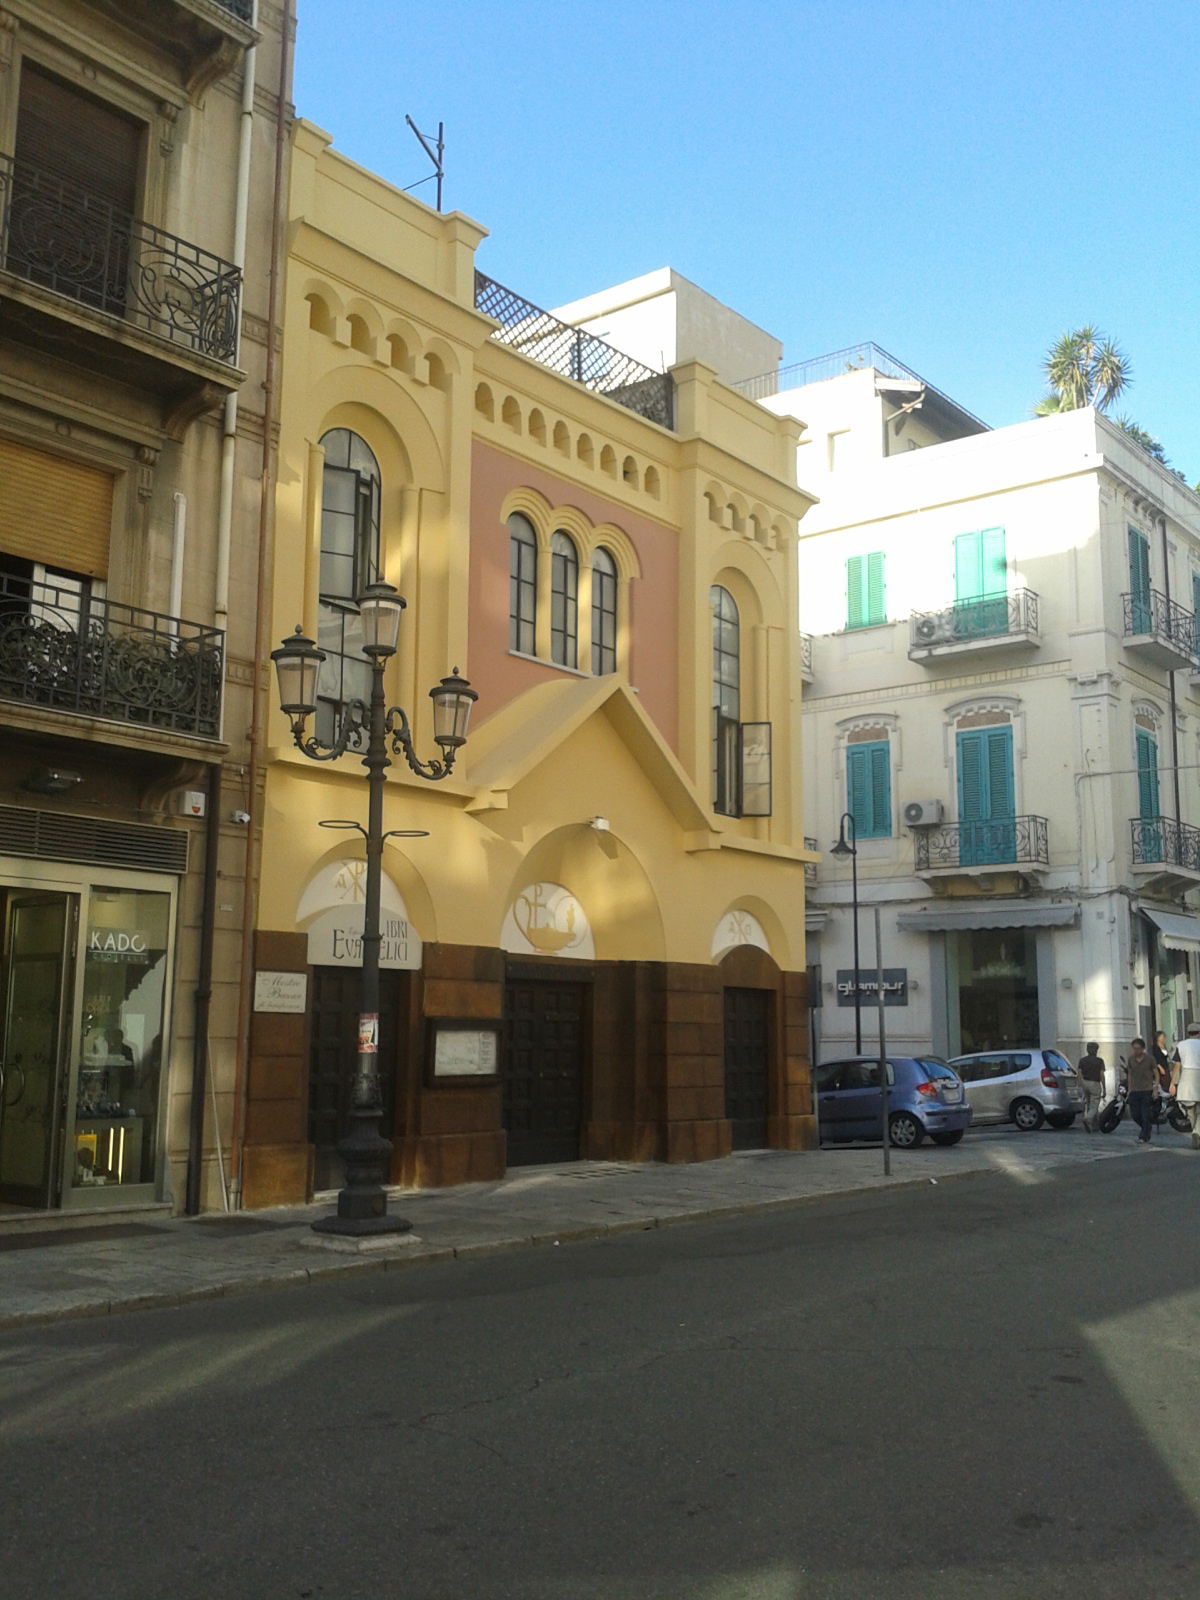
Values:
[(746, 1057), (544, 1040)]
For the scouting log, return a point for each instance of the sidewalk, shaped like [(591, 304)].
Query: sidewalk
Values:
[(127, 1263)]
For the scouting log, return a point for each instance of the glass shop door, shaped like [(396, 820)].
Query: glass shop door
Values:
[(39, 941)]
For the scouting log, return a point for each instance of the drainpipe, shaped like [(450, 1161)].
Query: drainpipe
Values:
[(208, 918), (1171, 679), (178, 533), (250, 897), (229, 433)]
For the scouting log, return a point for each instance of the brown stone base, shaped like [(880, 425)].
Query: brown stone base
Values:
[(276, 1175), (695, 1141), (619, 1141), (792, 1133), (434, 1161)]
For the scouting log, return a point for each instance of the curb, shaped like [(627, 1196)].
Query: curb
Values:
[(294, 1277)]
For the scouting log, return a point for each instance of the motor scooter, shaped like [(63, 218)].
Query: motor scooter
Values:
[(1166, 1108)]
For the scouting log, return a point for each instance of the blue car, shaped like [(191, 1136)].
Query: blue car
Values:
[(924, 1097)]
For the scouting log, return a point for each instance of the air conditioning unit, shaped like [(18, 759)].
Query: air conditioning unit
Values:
[(923, 813), (935, 629)]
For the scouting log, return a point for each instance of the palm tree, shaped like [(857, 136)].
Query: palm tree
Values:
[(1084, 368)]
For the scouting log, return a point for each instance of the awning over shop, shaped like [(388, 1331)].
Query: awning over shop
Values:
[(992, 914), (1178, 932)]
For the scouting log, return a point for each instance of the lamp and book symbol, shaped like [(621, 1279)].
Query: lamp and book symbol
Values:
[(550, 918)]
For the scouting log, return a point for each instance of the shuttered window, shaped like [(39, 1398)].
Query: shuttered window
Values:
[(869, 788), (1147, 774), (54, 511), (864, 591), (980, 565), (985, 775), (69, 135), (1139, 582)]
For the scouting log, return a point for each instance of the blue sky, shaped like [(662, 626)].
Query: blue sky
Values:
[(958, 182)]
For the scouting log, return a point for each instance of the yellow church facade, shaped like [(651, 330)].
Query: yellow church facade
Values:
[(594, 946)]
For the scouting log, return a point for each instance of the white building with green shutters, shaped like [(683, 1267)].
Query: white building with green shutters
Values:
[(1004, 694)]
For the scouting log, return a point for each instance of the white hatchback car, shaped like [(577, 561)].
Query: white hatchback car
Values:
[(1024, 1087)]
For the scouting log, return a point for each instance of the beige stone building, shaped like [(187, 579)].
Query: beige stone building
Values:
[(1004, 692), (138, 143)]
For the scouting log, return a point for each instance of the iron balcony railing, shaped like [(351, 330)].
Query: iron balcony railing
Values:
[(65, 649), (243, 10), (1164, 619), (806, 653), (56, 235), (576, 354), (968, 620), (1002, 841), (810, 867), (1161, 841)]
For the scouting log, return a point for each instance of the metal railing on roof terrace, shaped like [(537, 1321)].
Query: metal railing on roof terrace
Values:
[(854, 358), (576, 354)]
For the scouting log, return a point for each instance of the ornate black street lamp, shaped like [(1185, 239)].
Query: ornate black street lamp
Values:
[(843, 848), (362, 1202)]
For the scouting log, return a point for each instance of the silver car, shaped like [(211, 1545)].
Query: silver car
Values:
[(1024, 1087)]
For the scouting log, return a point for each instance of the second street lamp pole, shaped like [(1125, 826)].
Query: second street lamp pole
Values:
[(843, 848), (362, 1201)]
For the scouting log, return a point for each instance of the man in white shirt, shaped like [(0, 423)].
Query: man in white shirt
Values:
[(1186, 1082)]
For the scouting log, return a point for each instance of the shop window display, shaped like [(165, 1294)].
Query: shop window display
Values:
[(120, 1064)]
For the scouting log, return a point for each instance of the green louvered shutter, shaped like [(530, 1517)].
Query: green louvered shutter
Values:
[(971, 799), (854, 592), (881, 789), (876, 609), (1196, 605), (1139, 582), (858, 789), (993, 564), (999, 773), (968, 571), (1147, 764)]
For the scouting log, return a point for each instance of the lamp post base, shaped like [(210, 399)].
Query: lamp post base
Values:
[(371, 1227)]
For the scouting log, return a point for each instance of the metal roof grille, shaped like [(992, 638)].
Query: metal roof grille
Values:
[(57, 836)]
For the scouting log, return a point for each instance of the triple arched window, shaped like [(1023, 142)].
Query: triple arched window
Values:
[(350, 496), (563, 596)]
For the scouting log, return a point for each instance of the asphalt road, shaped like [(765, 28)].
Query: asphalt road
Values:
[(978, 1388)]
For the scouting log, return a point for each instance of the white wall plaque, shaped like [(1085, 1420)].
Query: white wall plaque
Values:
[(280, 991), (465, 1053), (335, 939)]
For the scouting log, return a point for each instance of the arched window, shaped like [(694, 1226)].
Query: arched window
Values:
[(726, 699), (604, 612), (564, 601), (522, 585), (349, 562)]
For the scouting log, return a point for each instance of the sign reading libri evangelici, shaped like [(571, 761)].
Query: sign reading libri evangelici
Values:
[(335, 939), (895, 986)]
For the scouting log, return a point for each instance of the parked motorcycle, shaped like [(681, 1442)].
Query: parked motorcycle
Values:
[(1166, 1108)]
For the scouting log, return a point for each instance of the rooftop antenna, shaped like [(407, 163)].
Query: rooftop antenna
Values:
[(434, 153)]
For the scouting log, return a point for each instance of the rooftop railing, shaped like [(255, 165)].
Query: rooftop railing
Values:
[(59, 237), (576, 354), (1003, 841), (854, 358), (65, 649)]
